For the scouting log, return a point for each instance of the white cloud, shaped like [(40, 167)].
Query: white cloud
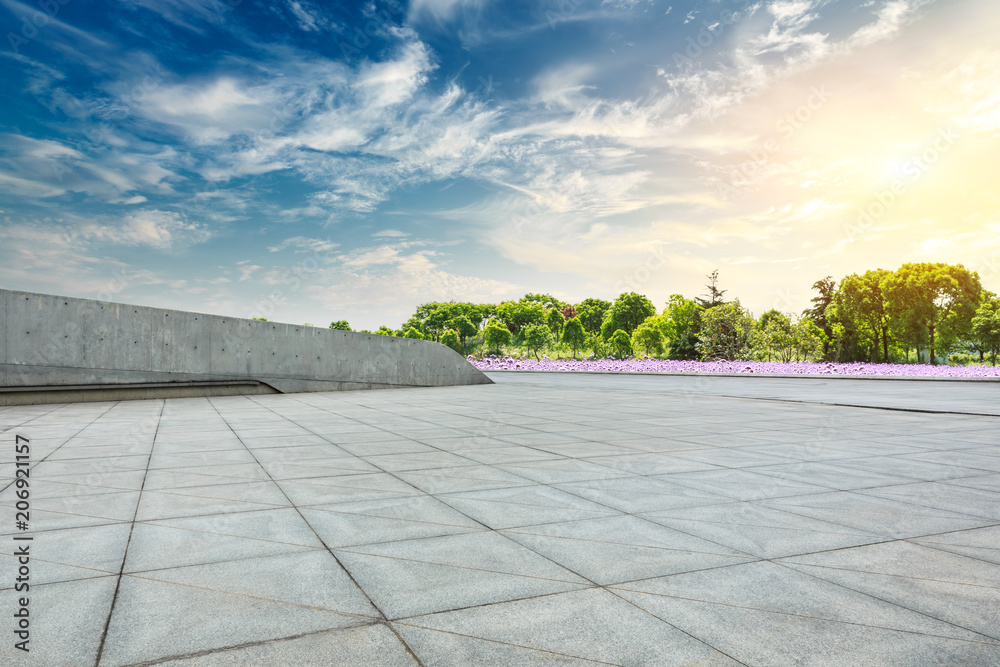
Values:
[(157, 229), (303, 244)]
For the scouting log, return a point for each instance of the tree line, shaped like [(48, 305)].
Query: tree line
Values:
[(919, 312)]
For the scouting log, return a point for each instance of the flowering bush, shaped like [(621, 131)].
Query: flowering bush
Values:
[(760, 367)]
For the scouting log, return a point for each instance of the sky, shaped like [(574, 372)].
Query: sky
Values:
[(310, 161)]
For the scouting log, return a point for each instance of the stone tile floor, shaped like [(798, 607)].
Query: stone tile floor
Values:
[(547, 519)]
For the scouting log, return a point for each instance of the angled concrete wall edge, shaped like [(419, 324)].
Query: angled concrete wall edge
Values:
[(55, 341)]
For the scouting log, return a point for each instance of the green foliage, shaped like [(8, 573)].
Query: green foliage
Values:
[(386, 331), (620, 345), (591, 314), (574, 335), (412, 332), (546, 301), (939, 299), (464, 327), (714, 296), (537, 337), (340, 325), (518, 314), (725, 332), (863, 308), (450, 338), (555, 320), (771, 338), (681, 322), (649, 337), (259, 319), (627, 312), (496, 337), (826, 288), (985, 330)]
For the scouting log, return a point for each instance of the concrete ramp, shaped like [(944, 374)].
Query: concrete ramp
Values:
[(59, 349)]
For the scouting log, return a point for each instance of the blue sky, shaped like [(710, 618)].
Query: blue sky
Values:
[(310, 161)]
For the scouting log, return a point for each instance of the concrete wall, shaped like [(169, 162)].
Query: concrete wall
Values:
[(53, 341)]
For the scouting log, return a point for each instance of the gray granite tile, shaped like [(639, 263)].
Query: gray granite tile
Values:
[(154, 547), (766, 638), (62, 634), (309, 578), (762, 531), (349, 647), (767, 586), (524, 506), (338, 529), (880, 516), (591, 624), (448, 648), (402, 588), (153, 620)]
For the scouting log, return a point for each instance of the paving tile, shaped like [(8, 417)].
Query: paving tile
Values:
[(154, 620), (953, 497), (284, 525), (70, 637), (309, 578), (770, 587), (591, 624), (744, 484), (762, 531), (155, 547), (172, 504), (338, 529), (402, 588), (524, 506), (448, 648), (467, 478), (623, 548), (981, 543), (643, 494), (756, 637), (881, 516), (350, 647)]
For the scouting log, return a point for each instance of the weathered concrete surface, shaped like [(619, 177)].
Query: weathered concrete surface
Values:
[(53, 341)]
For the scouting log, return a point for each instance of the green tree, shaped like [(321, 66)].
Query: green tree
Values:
[(772, 337), (555, 320), (537, 337), (827, 288), (450, 338), (986, 327), (497, 336), (574, 335), (413, 333), (464, 327), (627, 312), (725, 332), (259, 319), (862, 300), (620, 345), (386, 331), (808, 340), (681, 324), (340, 325), (939, 298), (649, 337), (591, 314), (547, 301), (714, 296), (518, 314)]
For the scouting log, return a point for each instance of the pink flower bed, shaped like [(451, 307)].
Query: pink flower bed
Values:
[(760, 367)]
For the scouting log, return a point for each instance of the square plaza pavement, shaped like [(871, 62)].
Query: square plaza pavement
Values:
[(546, 519)]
